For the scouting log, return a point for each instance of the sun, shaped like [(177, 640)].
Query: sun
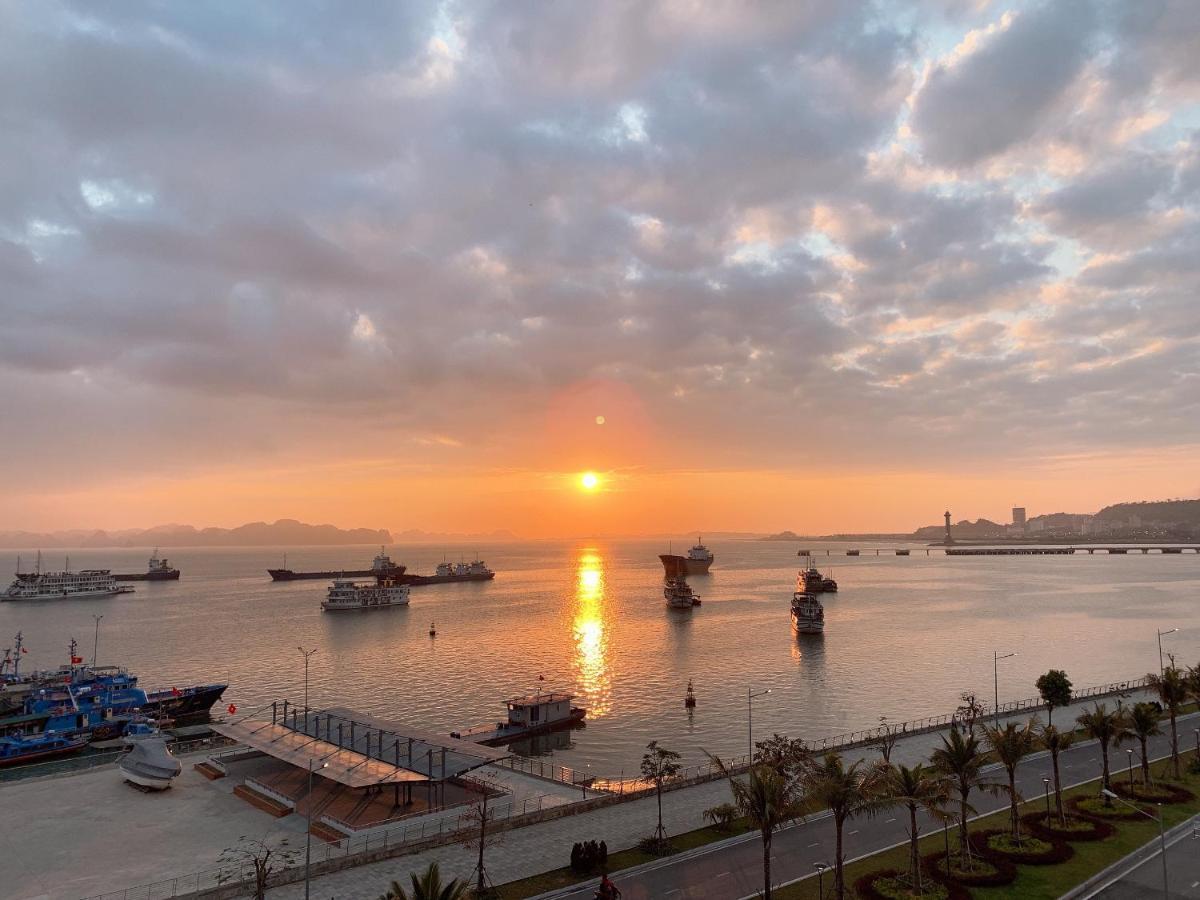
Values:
[(589, 481)]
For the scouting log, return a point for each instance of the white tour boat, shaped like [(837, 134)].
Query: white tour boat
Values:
[(346, 593), (39, 585), (808, 615), (679, 595)]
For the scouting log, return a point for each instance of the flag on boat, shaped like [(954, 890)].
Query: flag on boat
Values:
[(76, 660), (232, 709), (176, 692)]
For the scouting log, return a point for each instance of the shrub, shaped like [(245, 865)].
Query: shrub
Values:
[(1094, 807), (891, 885), (1031, 851), (721, 816), (1078, 828), (996, 872), (1162, 792)]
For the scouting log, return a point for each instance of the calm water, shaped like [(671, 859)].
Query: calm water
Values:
[(904, 636)]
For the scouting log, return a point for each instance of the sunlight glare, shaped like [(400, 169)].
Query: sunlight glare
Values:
[(589, 481)]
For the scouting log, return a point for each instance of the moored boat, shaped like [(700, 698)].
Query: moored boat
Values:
[(347, 594), (532, 714), (808, 615), (679, 595), (16, 749), (156, 570), (447, 573), (150, 765), (697, 562), (382, 567), (64, 585)]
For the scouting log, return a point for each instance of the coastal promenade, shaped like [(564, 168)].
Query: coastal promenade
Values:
[(727, 870)]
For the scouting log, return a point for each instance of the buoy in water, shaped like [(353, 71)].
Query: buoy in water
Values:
[(432, 630), (690, 700)]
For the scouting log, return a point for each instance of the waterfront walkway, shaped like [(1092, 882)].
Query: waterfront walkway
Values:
[(729, 870)]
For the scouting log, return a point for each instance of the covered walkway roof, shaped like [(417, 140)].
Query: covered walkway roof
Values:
[(348, 767)]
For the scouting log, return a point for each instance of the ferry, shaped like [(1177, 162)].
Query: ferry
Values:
[(382, 567), (529, 715), (156, 570), (808, 615), (678, 594), (814, 582), (347, 594), (697, 562), (39, 585)]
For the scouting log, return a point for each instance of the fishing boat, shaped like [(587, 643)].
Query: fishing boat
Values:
[(347, 594), (678, 594), (64, 585), (532, 714), (16, 749)]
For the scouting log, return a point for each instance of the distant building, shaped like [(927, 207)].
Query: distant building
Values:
[(1019, 516)]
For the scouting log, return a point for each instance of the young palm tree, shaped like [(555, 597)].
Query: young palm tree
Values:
[(768, 799), (826, 782), (1173, 689), (1143, 724), (1010, 744), (960, 759), (429, 887), (918, 788), (1056, 742), (1108, 728)]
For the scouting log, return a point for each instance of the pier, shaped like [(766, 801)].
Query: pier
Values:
[(1022, 550)]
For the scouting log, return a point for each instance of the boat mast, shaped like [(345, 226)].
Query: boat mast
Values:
[(17, 655)]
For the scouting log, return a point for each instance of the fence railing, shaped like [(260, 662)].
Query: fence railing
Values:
[(452, 828), (539, 768)]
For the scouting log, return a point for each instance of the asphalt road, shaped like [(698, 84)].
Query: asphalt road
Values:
[(1146, 880), (733, 870)]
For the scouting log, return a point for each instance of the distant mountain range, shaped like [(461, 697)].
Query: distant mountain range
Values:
[(281, 533)]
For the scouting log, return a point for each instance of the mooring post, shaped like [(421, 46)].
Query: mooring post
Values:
[(274, 710)]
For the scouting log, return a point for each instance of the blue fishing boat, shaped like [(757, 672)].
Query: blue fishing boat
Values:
[(16, 749)]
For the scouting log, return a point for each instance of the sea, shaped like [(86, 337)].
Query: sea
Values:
[(905, 636)]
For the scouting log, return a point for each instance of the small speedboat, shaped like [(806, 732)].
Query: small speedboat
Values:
[(140, 728), (150, 765)]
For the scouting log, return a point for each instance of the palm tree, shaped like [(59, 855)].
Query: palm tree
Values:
[(1056, 742), (918, 788), (960, 759), (847, 792), (429, 887), (1010, 744), (1108, 728), (1143, 724), (767, 798), (1173, 688)]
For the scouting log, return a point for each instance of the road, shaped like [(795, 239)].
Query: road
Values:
[(733, 869), (1146, 879)]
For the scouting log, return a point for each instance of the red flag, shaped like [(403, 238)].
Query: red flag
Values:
[(76, 660), (232, 709), (23, 650), (176, 692)]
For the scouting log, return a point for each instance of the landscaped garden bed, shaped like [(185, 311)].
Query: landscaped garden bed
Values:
[(1076, 828), (1027, 850), (892, 885), (976, 872)]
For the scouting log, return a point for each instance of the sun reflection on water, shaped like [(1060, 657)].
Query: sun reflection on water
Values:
[(591, 638)]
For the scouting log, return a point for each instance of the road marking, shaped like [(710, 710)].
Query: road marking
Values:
[(1195, 884), (853, 833), (723, 874), (815, 844), (889, 821)]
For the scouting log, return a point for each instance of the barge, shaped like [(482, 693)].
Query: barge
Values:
[(532, 714), (381, 567), (448, 573)]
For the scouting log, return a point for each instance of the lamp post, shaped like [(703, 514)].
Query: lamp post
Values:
[(306, 654), (1046, 786), (1129, 752), (820, 867), (1161, 635), (308, 830), (1197, 730), (750, 720), (96, 642), (1162, 833), (996, 657)]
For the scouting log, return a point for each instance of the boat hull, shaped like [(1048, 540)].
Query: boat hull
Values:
[(681, 566), (445, 579), (327, 607), (394, 573), (37, 755), (190, 703), (152, 784), (807, 626), (70, 595), (172, 575), (500, 737)]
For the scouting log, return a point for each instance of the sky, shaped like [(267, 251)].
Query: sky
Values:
[(820, 265)]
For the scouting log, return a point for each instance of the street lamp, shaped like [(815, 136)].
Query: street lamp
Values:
[(1130, 753), (1162, 833), (1161, 635), (1046, 785), (750, 720), (996, 657), (1197, 730), (308, 817), (820, 867), (306, 654), (96, 643)]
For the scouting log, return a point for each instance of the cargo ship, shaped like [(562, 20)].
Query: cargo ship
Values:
[(156, 570), (449, 572), (381, 567), (697, 561)]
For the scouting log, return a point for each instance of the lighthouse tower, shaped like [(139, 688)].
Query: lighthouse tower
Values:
[(949, 539)]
